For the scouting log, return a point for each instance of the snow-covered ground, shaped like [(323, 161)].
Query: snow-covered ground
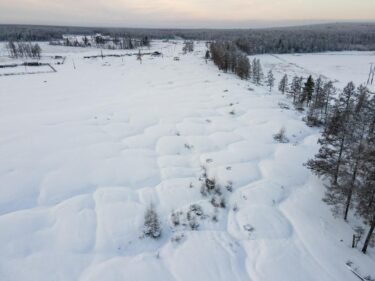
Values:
[(339, 67), (84, 152)]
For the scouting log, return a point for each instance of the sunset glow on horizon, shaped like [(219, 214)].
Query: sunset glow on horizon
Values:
[(180, 13)]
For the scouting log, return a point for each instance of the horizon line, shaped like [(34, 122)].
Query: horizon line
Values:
[(269, 24)]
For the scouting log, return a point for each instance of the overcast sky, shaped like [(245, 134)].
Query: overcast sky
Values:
[(184, 13)]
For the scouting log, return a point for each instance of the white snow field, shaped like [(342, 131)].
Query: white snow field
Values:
[(339, 67), (84, 152)]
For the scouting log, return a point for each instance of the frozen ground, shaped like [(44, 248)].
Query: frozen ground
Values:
[(84, 151), (340, 67)]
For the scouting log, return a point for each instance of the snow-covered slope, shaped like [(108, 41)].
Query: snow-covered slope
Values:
[(85, 151)]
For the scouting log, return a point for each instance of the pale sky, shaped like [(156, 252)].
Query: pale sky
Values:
[(184, 13)]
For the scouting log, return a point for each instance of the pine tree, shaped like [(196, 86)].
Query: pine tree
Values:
[(227, 57), (308, 90), (85, 41), (318, 96), (328, 94), (257, 72), (295, 88), (270, 81), (36, 51), (333, 159), (283, 85), (254, 70), (357, 123), (12, 49), (242, 68), (365, 206), (330, 158), (341, 130), (207, 55)]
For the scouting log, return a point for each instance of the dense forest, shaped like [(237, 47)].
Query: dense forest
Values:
[(312, 38)]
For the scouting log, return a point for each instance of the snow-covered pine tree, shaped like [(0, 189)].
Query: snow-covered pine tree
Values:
[(332, 158), (270, 80), (257, 72), (260, 74), (365, 196), (243, 67), (315, 116), (139, 56), (328, 95), (358, 124), (318, 95), (12, 49), (308, 90), (151, 227), (295, 88), (254, 70), (36, 51), (283, 85), (207, 55)]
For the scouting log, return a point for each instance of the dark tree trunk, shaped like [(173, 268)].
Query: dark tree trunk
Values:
[(352, 184), (368, 238), (348, 200), (336, 175), (326, 109)]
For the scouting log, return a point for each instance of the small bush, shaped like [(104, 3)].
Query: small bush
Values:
[(196, 209), (218, 202), (215, 218), (208, 186), (280, 136), (176, 218), (249, 229), (192, 221), (177, 237), (229, 186)]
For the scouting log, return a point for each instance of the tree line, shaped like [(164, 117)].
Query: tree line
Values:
[(315, 96), (188, 47), (23, 50), (346, 158), (229, 59), (305, 40), (313, 38), (103, 42)]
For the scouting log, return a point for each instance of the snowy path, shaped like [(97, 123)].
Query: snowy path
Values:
[(83, 152)]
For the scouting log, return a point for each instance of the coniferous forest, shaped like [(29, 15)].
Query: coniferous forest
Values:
[(301, 39), (346, 158)]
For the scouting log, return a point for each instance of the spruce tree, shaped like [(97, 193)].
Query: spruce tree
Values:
[(270, 81), (295, 88), (283, 85), (365, 205), (358, 125), (307, 91), (328, 94), (152, 227)]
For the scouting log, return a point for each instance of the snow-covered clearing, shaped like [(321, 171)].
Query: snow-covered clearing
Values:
[(84, 151), (339, 67)]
